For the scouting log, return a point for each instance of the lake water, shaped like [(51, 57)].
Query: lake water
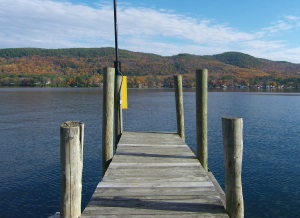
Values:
[(29, 143)]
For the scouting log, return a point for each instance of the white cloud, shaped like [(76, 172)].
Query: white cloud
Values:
[(46, 23), (142, 21), (56, 24)]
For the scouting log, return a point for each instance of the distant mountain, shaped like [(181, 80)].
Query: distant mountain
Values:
[(239, 59), (229, 67), (247, 61)]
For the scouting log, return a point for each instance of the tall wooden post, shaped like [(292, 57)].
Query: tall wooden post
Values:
[(108, 117), (233, 155), (201, 116), (71, 164), (118, 109), (179, 106)]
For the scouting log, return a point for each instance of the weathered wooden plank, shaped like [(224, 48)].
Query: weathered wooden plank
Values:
[(155, 208), (146, 165), (155, 175), (156, 145), (162, 159), (153, 184), (167, 179), (152, 138), (148, 176), (154, 179), (154, 149), (153, 191), (195, 215), (151, 170), (165, 155)]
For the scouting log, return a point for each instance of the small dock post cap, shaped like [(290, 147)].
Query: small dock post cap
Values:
[(70, 124), (232, 118)]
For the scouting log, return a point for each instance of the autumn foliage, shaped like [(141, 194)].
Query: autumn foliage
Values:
[(83, 67)]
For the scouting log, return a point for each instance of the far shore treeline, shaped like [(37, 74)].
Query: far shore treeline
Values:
[(83, 67)]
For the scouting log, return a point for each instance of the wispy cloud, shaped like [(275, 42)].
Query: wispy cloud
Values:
[(288, 23), (55, 24), (292, 18), (147, 22)]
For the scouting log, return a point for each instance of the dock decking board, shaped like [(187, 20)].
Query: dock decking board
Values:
[(154, 175)]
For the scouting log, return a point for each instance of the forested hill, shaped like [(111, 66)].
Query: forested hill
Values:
[(83, 67)]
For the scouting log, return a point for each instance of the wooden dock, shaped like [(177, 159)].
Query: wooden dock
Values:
[(154, 175)]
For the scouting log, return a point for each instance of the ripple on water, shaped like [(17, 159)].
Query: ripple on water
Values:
[(29, 157)]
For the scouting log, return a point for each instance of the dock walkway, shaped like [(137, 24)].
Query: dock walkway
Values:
[(154, 175)]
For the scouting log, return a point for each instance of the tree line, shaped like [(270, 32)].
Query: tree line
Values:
[(83, 67)]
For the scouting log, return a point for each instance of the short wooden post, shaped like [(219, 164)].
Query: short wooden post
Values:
[(179, 106), (108, 117), (118, 109), (71, 164), (233, 154), (201, 117)]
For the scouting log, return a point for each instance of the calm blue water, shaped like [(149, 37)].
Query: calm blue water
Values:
[(29, 143)]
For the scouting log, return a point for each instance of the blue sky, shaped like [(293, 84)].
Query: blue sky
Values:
[(265, 29)]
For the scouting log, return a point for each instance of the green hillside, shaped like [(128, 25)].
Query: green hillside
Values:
[(239, 59)]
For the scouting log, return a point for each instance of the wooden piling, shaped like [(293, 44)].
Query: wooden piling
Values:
[(201, 116), (179, 106), (108, 117), (233, 154), (118, 109), (71, 159)]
